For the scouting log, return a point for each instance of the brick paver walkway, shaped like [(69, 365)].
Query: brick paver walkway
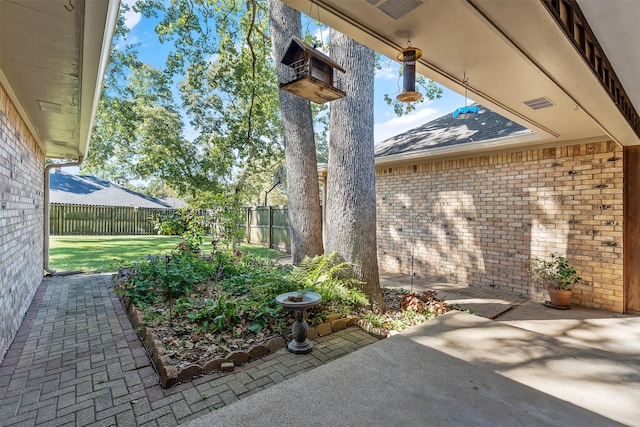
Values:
[(77, 361)]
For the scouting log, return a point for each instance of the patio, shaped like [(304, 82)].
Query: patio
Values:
[(77, 361)]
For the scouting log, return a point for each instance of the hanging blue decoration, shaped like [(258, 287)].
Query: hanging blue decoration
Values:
[(465, 112)]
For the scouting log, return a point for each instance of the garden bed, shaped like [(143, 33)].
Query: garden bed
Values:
[(200, 314), (177, 363)]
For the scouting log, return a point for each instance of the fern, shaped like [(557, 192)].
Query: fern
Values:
[(331, 278)]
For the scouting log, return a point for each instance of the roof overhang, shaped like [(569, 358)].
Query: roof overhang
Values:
[(511, 52), (53, 56), (470, 149)]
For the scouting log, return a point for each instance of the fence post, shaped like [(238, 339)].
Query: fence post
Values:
[(248, 224), (270, 228)]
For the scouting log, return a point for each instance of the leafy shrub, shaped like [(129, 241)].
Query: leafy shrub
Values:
[(233, 289), (172, 223), (215, 315), (555, 273), (331, 278), (228, 228), (165, 277)]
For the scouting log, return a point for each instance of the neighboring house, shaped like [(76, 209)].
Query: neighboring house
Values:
[(89, 190), (52, 60), (449, 135)]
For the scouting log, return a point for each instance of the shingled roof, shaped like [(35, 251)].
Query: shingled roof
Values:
[(89, 190), (446, 131)]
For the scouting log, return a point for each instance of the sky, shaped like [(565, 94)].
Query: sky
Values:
[(387, 123)]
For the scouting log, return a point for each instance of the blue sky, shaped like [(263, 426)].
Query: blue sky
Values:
[(387, 124)]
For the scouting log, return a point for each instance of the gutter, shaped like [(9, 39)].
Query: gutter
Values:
[(47, 220), (92, 73), (469, 148)]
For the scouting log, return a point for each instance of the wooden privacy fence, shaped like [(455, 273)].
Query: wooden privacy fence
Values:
[(89, 220), (265, 225), (269, 226)]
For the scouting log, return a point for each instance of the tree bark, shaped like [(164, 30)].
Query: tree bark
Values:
[(351, 191), (305, 215)]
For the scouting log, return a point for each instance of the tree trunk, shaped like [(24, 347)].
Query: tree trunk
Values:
[(305, 216), (351, 195)]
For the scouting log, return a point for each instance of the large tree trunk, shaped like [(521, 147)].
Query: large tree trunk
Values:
[(305, 216), (351, 195)]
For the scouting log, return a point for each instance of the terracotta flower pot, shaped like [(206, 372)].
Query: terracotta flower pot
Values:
[(559, 297)]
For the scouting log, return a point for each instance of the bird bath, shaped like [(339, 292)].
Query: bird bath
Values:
[(299, 302)]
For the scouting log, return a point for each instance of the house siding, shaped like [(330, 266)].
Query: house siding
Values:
[(490, 215), (21, 220)]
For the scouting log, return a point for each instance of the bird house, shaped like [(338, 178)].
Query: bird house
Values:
[(312, 73)]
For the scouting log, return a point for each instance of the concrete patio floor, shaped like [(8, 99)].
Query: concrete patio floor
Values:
[(464, 370), (484, 302), (77, 361)]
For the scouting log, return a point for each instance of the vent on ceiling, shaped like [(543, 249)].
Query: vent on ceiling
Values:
[(539, 103), (50, 107), (60, 143), (398, 8)]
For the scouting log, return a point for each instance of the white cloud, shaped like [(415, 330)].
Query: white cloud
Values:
[(322, 34), (396, 125), (387, 73), (389, 69), (131, 18)]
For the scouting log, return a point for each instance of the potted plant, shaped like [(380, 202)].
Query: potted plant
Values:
[(558, 276)]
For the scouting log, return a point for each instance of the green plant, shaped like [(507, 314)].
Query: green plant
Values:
[(554, 273), (169, 223), (195, 230), (192, 239), (227, 228), (216, 315), (331, 278), (166, 277)]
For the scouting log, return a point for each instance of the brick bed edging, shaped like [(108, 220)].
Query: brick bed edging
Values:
[(171, 375)]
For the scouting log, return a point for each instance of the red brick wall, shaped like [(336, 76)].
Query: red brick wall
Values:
[(21, 216), (491, 214)]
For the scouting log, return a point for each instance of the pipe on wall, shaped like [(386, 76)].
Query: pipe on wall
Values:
[(45, 245)]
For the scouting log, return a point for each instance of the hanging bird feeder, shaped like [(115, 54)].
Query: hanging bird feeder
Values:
[(408, 57), (313, 71), (465, 112)]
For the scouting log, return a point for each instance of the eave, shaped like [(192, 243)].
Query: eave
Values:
[(53, 56), (512, 52)]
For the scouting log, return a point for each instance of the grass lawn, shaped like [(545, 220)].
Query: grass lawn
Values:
[(104, 253)]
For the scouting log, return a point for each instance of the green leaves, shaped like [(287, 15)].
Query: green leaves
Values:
[(221, 71), (428, 88), (555, 273), (216, 293), (331, 278)]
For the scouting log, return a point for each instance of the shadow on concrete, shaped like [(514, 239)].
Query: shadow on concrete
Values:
[(458, 369)]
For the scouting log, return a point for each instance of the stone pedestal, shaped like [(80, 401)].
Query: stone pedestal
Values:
[(299, 302)]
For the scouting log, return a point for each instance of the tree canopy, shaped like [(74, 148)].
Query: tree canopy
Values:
[(227, 90), (209, 121)]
